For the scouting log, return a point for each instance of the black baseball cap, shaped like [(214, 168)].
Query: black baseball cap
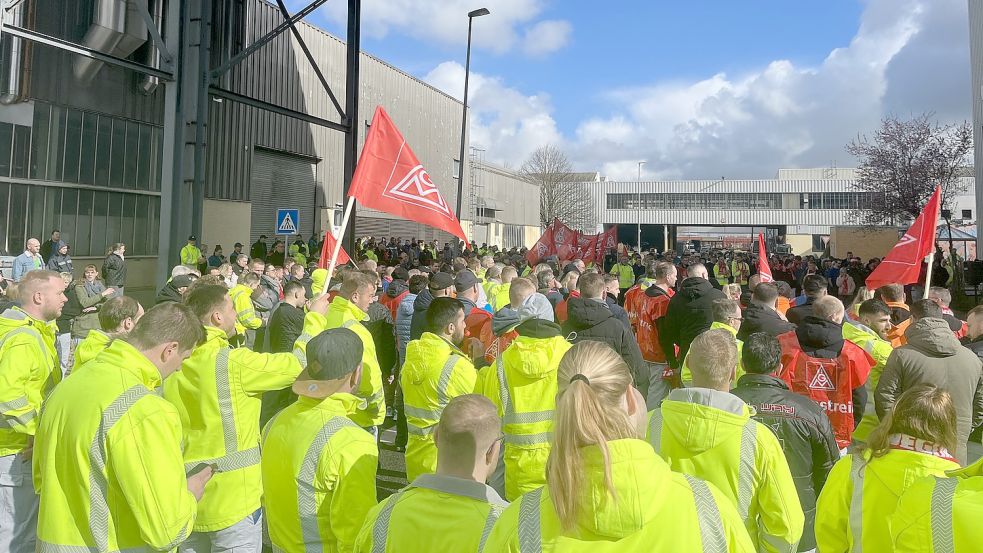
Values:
[(401, 273), (465, 280), (441, 280), (192, 237), (331, 355)]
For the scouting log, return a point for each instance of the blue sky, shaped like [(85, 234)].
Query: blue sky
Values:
[(697, 88)]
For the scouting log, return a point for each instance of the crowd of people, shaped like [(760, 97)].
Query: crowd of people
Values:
[(646, 402)]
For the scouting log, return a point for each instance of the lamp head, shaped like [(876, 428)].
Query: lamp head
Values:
[(479, 12)]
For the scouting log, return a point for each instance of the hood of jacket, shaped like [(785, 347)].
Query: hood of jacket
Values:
[(396, 287), (933, 337), (422, 301), (586, 313), (430, 348), (170, 293), (700, 419), (899, 468), (820, 337), (695, 287), (536, 357), (318, 278), (14, 317), (536, 307), (655, 291)]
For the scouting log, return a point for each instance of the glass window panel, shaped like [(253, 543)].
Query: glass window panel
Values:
[(104, 140), (144, 162), (69, 207), (35, 214), (39, 141), (126, 232), (153, 229), (87, 163), (18, 218), (114, 218), (158, 157), (132, 153), (56, 149), (6, 147), (4, 222), (73, 145), (52, 207), (100, 211), (118, 154), (142, 236), (82, 244), (22, 151)]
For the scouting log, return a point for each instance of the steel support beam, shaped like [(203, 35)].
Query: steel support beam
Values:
[(87, 52), (353, 42), (217, 72), (165, 56), (310, 59), (287, 112)]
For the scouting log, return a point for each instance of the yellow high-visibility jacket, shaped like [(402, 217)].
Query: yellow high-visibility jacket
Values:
[(458, 516), (434, 373), (190, 255), (522, 385), (319, 472), (499, 296), (711, 435), (940, 515), (687, 376), (107, 461), (656, 510), (343, 313), (626, 274), (29, 370), (490, 286), (87, 350), (245, 312), (880, 350), (218, 393), (875, 486)]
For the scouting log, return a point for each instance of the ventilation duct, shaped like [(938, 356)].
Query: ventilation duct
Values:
[(117, 28), (17, 51), (148, 84)]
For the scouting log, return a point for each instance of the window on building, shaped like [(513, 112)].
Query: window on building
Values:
[(22, 151), (73, 145), (87, 162), (6, 148), (56, 147), (457, 168), (632, 201), (39, 141), (967, 214)]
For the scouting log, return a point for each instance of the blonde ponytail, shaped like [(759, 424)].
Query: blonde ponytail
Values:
[(592, 380)]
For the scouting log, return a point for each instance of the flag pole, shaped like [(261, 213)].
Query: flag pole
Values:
[(337, 243), (931, 255)]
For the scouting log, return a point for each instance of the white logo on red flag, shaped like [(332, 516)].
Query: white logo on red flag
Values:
[(417, 188), (821, 379)]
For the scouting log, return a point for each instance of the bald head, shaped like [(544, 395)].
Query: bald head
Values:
[(33, 245), (828, 308), (697, 270), (520, 289), (467, 437)]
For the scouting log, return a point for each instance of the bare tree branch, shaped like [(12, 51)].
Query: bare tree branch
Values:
[(560, 197)]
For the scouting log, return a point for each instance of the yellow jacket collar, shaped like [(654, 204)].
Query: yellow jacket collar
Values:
[(345, 306), (215, 335), (339, 405), (442, 343), (129, 360)]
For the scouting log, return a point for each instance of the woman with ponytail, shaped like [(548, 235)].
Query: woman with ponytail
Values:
[(913, 441), (606, 488)]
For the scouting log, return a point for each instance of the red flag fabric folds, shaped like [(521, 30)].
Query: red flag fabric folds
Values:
[(327, 249), (903, 264), (543, 248), (390, 178), (764, 270)]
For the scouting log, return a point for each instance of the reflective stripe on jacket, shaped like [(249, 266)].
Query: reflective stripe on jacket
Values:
[(90, 347), (458, 515), (319, 471), (218, 393), (522, 384), (108, 461), (860, 495), (710, 435), (343, 313), (29, 370), (626, 275), (434, 373), (940, 515), (880, 350), (656, 510), (245, 311)]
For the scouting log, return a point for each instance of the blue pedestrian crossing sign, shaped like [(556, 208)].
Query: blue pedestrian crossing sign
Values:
[(287, 221)]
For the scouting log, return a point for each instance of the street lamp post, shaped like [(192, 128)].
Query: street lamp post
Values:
[(638, 207), (464, 116)]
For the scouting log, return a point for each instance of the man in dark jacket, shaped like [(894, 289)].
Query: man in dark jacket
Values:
[(590, 318), (814, 287), (690, 313), (761, 314), (801, 425), (934, 356), (258, 249), (173, 291), (441, 285), (614, 300), (287, 321)]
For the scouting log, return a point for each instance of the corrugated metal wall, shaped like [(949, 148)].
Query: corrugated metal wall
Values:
[(976, 58), (517, 198)]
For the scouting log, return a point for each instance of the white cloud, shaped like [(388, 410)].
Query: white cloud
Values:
[(446, 22), (506, 123), (547, 37)]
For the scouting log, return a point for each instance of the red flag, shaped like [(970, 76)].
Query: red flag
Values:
[(327, 249), (764, 270), (903, 263), (606, 241), (587, 247), (564, 239), (543, 248), (390, 178)]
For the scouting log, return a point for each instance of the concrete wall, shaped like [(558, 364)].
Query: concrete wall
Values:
[(139, 276), (225, 222), (801, 243)]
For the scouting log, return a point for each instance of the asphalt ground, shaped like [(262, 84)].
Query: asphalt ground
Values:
[(391, 475)]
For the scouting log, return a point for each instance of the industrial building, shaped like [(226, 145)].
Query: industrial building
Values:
[(798, 207), (110, 133)]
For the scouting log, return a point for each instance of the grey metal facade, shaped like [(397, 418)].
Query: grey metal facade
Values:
[(976, 63)]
